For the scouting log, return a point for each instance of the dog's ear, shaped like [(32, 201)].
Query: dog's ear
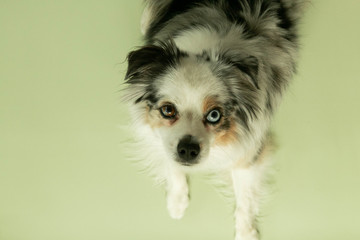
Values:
[(150, 61), (146, 64), (246, 64), (143, 63), (250, 66)]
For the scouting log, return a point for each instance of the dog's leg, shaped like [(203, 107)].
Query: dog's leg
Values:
[(246, 187), (177, 193)]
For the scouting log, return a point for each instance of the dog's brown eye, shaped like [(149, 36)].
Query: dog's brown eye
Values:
[(168, 111)]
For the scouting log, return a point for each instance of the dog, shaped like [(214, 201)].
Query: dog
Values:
[(202, 92)]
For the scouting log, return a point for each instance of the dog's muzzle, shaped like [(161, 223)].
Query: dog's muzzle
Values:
[(188, 150)]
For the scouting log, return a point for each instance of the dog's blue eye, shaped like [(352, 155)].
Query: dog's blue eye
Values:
[(213, 116)]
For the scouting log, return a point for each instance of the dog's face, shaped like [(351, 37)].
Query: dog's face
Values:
[(191, 114), (192, 103)]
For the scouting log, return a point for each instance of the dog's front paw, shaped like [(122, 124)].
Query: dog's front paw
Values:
[(177, 204)]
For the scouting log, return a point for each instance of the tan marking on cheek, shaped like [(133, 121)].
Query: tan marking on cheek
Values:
[(226, 137)]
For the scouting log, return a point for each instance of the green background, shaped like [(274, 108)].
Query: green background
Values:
[(63, 174)]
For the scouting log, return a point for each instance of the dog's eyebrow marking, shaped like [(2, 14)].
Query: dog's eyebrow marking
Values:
[(209, 103)]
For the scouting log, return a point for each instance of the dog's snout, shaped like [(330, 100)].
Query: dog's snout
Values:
[(188, 149)]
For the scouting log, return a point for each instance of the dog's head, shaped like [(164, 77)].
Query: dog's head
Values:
[(193, 102)]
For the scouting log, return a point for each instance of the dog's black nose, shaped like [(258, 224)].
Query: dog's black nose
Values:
[(188, 149)]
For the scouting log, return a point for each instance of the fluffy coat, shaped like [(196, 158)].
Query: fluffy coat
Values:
[(203, 89)]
